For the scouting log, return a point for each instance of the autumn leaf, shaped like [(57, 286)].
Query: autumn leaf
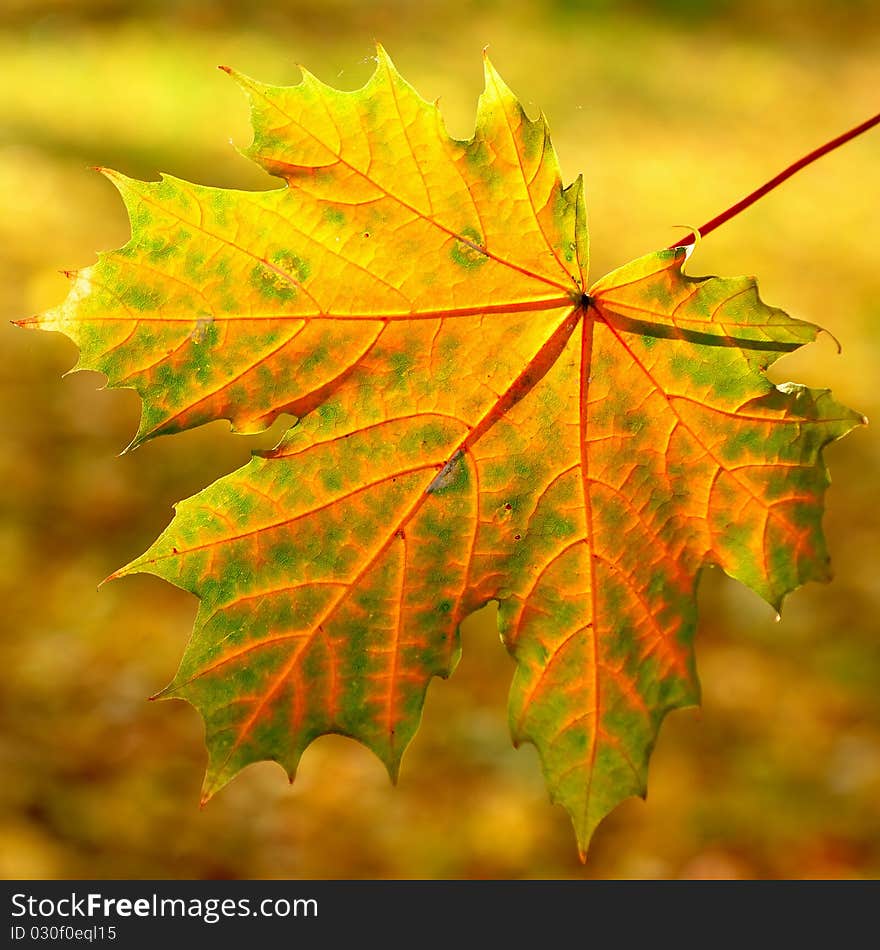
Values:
[(474, 423)]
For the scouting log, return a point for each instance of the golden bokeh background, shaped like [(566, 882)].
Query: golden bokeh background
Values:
[(673, 110)]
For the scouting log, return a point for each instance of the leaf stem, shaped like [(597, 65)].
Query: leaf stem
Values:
[(750, 199)]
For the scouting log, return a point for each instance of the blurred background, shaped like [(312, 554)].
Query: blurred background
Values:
[(673, 109)]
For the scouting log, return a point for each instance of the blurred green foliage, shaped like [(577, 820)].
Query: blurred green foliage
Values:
[(673, 109)]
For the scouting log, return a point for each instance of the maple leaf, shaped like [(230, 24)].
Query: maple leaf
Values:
[(474, 424)]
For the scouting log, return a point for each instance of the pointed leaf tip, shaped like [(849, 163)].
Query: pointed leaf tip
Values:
[(109, 173), (167, 692), (384, 61), (489, 71), (110, 577)]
